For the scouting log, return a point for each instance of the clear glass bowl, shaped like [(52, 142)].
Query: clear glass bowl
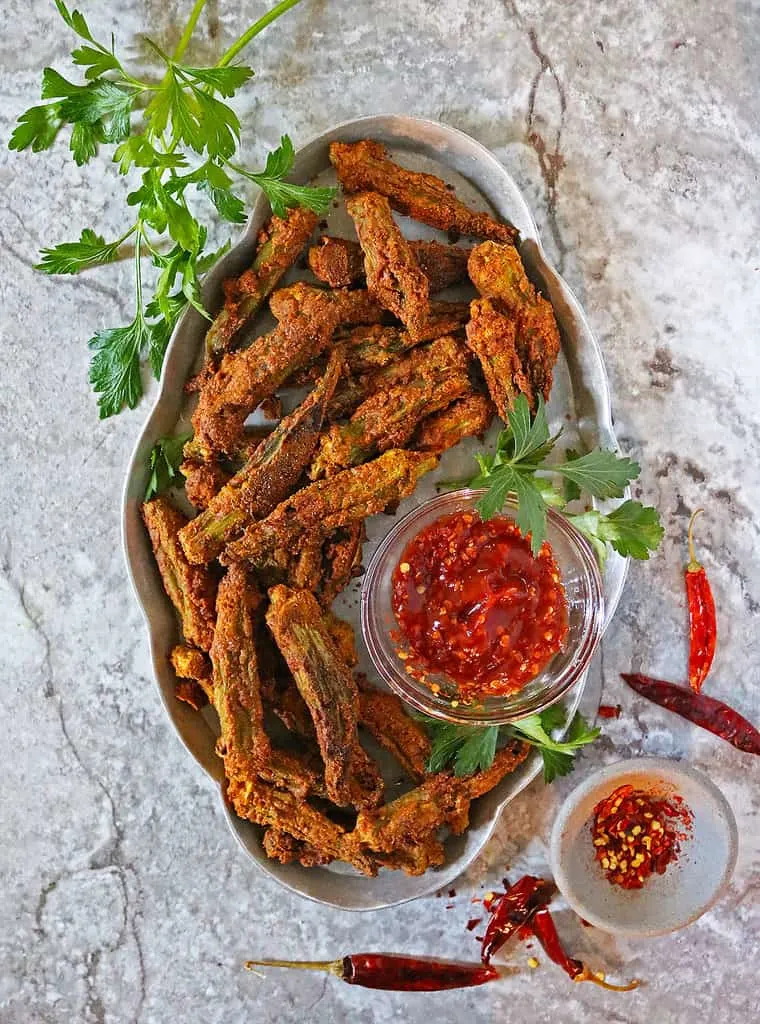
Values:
[(585, 606)]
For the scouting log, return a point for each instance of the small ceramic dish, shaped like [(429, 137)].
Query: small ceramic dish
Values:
[(585, 604), (690, 885)]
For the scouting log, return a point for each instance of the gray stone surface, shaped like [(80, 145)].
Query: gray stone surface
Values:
[(633, 129)]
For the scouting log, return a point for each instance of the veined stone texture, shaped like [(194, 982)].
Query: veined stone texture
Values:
[(632, 128)]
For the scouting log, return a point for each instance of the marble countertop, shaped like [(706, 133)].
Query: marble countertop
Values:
[(633, 130)]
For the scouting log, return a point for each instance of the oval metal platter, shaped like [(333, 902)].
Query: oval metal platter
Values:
[(580, 403)]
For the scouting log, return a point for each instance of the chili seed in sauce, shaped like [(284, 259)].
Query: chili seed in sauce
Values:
[(473, 602)]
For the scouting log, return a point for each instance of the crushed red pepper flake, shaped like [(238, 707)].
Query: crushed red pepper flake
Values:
[(637, 834), (473, 923), (609, 711)]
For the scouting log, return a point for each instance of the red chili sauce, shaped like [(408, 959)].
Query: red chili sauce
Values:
[(636, 834), (474, 604)]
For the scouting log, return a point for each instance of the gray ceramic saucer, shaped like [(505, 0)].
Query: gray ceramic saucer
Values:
[(667, 902)]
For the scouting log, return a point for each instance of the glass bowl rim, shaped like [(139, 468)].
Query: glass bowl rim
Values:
[(422, 699)]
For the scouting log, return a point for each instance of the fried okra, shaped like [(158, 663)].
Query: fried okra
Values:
[(365, 165), (191, 589), (328, 688), (339, 262)]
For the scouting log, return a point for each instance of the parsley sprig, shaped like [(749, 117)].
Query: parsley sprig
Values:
[(520, 466), (164, 462), (468, 749), (178, 137)]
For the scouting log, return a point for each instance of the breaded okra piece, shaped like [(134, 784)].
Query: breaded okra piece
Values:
[(383, 715), (403, 365), (424, 197), (204, 480), (341, 561), (339, 262), (263, 804), (308, 318), (279, 244), (393, 274), (244, 743), (194, 684), (349, 497), (442, 799), (389, 417), (385, 420), (470, 416), (369, 348), (271, 473), (499, 275), (491, 336), (190, 587), (328, 688), (302, 305), (279, 845), (444, 318), (373, 347)]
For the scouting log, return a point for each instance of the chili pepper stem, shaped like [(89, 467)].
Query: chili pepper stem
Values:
[(588, 975), (330, 966), (694, 565)]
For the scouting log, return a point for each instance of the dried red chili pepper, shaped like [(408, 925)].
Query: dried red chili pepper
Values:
[(513, 910), (702, 619), (543, 927), (393, 972), (707, 712)]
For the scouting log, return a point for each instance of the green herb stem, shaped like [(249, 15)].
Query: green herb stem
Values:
[(184, 39), (254, 30)]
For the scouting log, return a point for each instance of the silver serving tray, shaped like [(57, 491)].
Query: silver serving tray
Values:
[(581, 391)]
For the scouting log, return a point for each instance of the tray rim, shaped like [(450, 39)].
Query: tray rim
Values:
[(440, 877)]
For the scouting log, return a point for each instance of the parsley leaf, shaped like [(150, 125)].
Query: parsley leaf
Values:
[(521, 453), (55, 85), (282, 194), (138, 150), (164, 462), (527, 437), (280, 161), (169, 308), (570, 487), (176, 119), (84, 141), (468, 749), (70, 257), (531, 511), (557, 755), (227, 204), (101, 102), (226, 80), (631, 529), (75, 21), (477, 752), (603, 474), (115, 366), (556, 763), (96, 60), (221, 127), (553, 717), (36, 127), (499, 483)]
